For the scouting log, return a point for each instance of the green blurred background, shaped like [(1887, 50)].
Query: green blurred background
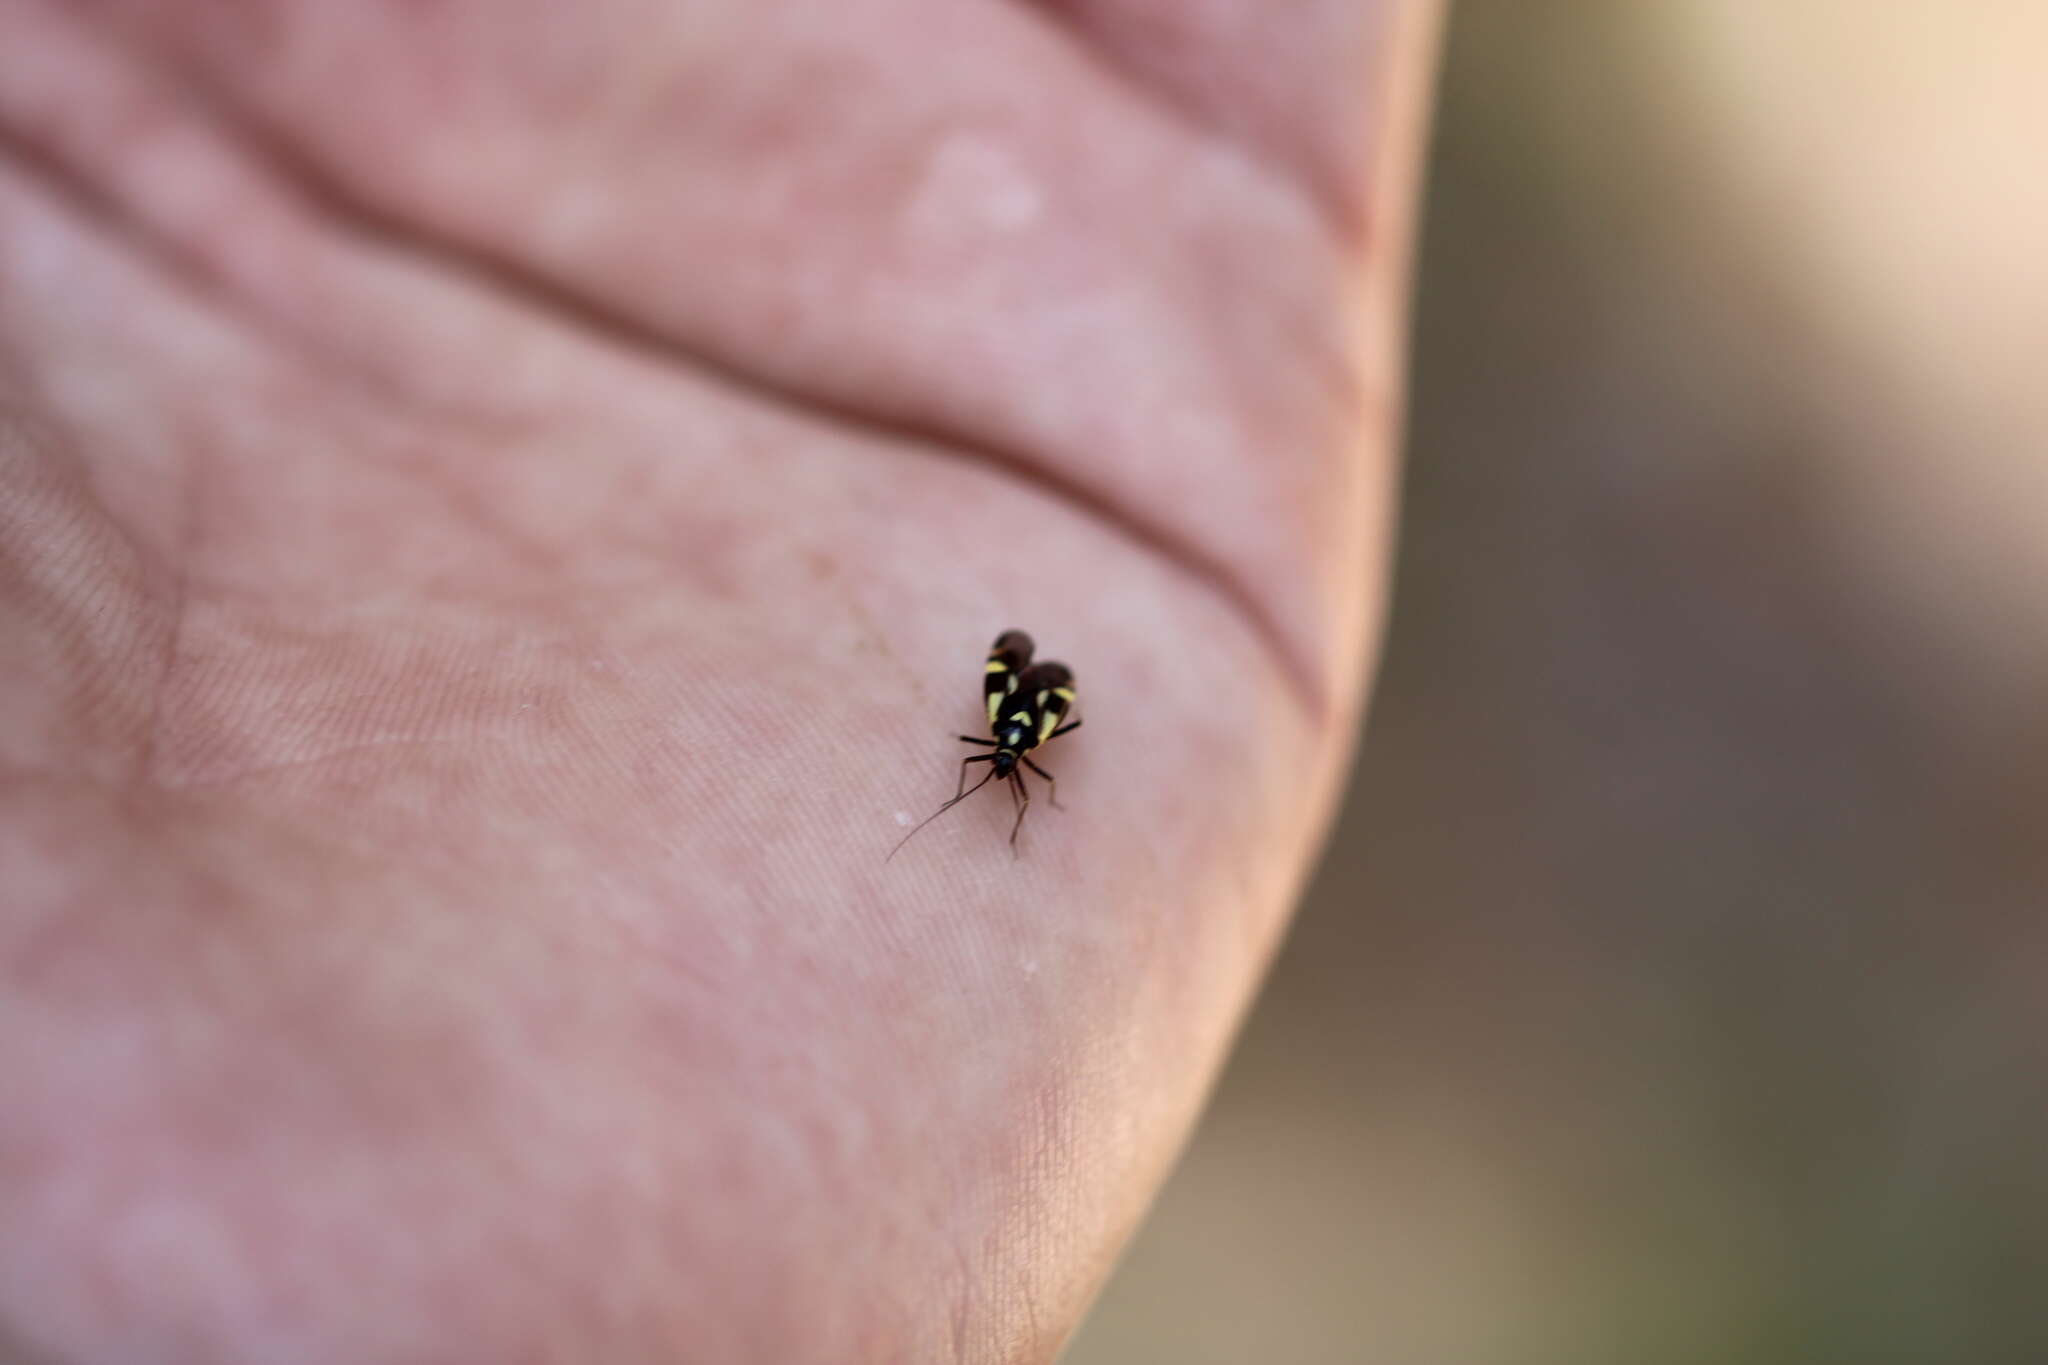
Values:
[(1676, 985)]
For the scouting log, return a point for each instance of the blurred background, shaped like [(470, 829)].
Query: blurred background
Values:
[(1675, 988)]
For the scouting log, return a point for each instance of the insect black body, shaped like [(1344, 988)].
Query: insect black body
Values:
[(1026, 704)]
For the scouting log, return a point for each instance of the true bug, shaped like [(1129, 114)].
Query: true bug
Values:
[(1026, 703)]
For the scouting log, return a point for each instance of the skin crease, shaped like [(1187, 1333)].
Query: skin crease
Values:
[(502, 508)]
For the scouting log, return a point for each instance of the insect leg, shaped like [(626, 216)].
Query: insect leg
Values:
[(1052, 783), (1070, 725), (961, 786), (972, 740), (1023, 795)]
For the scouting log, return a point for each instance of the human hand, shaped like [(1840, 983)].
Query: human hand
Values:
[(501, 510)]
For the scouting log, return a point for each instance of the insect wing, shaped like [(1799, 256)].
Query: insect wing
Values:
[(1007, 660), (1048, 690)]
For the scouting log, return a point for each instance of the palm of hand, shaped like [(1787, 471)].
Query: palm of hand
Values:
[(483, 600)]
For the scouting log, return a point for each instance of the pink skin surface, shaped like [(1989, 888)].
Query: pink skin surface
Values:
[(502, 506)]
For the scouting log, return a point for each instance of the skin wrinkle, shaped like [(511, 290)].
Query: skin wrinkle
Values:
[(146, 763), (334, 201), (1146, 520), (257, 178), (1346, 221), (66, 507), (1166, 48), (83, 153)]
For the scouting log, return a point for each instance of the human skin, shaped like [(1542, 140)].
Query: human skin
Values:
[(501, 510)]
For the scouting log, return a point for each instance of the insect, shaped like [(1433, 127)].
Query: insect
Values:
[(1026, 703)]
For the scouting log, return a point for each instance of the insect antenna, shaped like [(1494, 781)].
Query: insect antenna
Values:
[(941, 811)]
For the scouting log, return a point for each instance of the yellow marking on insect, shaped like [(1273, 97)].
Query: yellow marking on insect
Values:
[(1046, 724), (1042, 695), (1065, 694), (995, 702), (1020, 717), (996, 666)]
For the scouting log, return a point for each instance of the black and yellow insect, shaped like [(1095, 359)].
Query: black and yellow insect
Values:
[(1026, 703)]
